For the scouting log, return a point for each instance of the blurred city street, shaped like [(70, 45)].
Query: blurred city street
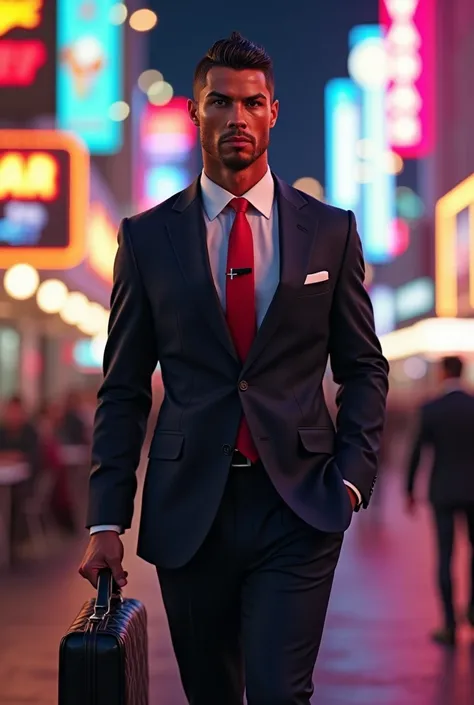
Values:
[(375, 650)]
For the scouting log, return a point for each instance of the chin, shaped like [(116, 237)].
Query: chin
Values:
[(237, 162)]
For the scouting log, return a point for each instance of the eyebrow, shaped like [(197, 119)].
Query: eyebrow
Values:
[(216, 94)]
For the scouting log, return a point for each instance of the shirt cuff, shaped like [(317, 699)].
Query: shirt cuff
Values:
[(105, 527), (356, 492)]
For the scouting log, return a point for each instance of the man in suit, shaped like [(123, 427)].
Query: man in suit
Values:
[(446, 426), (241, 287)]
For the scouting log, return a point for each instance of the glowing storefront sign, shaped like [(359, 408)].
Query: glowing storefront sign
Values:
[(342, 119), (43, 199), (454, 250), (378, 186), (27, 58), (410, 41), (90, 73), (167, 140)]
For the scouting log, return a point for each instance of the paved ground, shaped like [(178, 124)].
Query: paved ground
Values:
[(375, 650)]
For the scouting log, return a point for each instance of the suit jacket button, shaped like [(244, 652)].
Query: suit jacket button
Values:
[(243, 385), (227, 449)]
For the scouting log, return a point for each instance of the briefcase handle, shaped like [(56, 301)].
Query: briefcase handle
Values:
[(107, 590)]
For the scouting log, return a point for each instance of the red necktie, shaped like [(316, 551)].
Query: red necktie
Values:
[(240, 303)]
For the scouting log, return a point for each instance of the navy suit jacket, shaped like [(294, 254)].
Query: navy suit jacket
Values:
[(164, 307)]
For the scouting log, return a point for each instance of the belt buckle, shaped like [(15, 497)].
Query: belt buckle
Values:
[(242, 465)]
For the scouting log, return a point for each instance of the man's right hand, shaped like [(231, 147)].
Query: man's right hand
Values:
[(105, 550)]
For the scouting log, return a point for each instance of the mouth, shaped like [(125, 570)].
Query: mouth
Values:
[(237, 141)]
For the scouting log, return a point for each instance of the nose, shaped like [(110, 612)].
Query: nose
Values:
[(237, 118)]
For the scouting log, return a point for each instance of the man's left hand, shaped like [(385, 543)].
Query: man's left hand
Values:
[(352, 497)]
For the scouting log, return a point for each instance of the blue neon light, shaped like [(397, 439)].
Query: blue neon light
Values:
[(89, 73), (378, 193), (342, 119)]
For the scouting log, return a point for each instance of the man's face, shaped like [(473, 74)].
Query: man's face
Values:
[(235, 113)]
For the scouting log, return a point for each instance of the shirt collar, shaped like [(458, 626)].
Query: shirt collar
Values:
[(215, 198)]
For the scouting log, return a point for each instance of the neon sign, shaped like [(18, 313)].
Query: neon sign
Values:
[(454, 251), (43, 199), (167, 139), (22, 13), (27, 176), (27, 58), (410, 41), (89, 73)]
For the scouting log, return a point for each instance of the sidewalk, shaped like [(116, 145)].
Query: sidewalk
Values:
[(375, 649)]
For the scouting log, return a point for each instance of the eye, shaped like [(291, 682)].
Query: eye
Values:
[(218, 101), (254, 103)]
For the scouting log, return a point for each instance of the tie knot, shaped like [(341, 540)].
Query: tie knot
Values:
[(240, 205)]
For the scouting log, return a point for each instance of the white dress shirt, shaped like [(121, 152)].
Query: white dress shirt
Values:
[(262, 215)]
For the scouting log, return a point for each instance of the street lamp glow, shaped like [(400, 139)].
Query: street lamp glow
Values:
[(21, 281), (74, 308), (51, 295)]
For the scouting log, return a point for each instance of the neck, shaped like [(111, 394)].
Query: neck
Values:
[(235, 182)]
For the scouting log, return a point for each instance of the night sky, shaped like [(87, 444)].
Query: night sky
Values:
[(307, 40)]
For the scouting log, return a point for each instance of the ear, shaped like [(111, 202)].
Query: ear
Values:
[(274, 112), (193, 111)]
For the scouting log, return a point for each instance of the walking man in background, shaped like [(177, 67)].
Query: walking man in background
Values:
[(241, 287), (447, 426)]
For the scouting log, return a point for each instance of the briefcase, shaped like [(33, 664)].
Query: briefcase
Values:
[(103, 657)]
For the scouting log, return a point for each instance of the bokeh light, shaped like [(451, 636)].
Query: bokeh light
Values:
[(21, 281), (310, 186), (118, 13), (161, 94), (74, 308), (367, 63), (51, 295), (119, 111), (143, 20), (148, 78), (409, 204), (392, 163)]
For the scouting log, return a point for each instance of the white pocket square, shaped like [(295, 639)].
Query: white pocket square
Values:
[(317, 277)]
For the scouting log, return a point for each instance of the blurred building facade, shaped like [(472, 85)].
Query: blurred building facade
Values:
[(44, 351)]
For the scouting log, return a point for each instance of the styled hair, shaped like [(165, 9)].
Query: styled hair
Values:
[(237, 53), (453, 366)]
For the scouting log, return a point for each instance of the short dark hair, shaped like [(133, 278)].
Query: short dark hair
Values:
[(452, 366), (237, 53)]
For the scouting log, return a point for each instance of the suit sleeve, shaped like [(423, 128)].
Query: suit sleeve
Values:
[(419, 440), (360, 370), (125, 396)]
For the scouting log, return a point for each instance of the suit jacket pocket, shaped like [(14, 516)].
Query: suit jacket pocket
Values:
[(315, 289), (166, 445), (317, 440)]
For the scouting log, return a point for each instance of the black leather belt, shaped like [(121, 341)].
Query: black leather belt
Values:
[(239, 460)]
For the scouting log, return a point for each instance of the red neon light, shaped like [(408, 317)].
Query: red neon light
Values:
[(20, 61), (421, 21)]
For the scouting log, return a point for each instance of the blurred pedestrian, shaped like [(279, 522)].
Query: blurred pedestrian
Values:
[(446, 426), (240, 286)]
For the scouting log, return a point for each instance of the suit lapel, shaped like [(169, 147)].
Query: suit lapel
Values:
[(297, 228), (187, 232)]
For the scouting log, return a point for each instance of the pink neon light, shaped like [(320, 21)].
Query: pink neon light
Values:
[(399, 237), (424, 20)]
